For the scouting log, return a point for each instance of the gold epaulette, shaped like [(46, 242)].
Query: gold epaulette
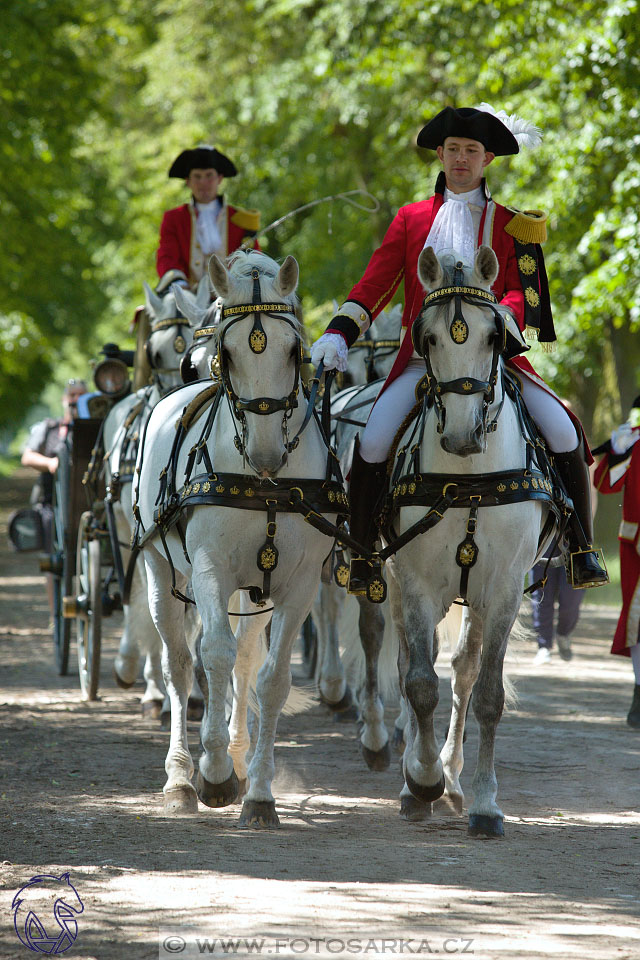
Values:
[(527, 226), (246, 219)]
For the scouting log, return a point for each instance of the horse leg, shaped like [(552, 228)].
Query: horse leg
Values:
[(485, 816), (330, 676), (465, 664), (373, 737), (272, 688), (217, 783), (249, 638), (168, 616), (422, 766), (127, 661)]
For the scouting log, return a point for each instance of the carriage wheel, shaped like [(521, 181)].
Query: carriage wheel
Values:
[(63, 571), (89, 608)]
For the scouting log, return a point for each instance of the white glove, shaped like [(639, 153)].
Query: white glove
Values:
[(624, 438), (333, 349)]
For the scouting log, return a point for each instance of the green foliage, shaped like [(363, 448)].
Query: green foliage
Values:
[(312, 98)]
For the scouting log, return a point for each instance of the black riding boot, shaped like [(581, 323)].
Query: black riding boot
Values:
[(633, 717), (581, 559), (366, 488)]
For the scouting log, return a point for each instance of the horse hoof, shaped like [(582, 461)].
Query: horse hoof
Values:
[(195, 708), (377, 759), (180, 800), (120, 682), (481, 825), (425, 793), (259, 814), (397, 740), (151, 709), (217, 794), (414, 810)]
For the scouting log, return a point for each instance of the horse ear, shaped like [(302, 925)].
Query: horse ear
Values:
[(203, 293), (429, 269), (152, 300), (188, 305), (219, 276), (287, 279), (485, 268)]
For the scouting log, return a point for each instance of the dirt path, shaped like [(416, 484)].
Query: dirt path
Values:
[(81, 793)]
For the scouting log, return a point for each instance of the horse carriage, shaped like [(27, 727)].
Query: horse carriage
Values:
[(79, 554), (89, 562)]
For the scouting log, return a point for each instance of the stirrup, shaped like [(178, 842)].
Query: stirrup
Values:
[(366, 580), (596, 576)]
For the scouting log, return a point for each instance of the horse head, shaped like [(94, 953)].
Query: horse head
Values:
[(460, 334), (371, 356), (259, 353), (170, 337), (204, 317)]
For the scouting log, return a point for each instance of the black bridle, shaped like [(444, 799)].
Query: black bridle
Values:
[(263, 406), (179, 346), (459, 332), (374, 352)]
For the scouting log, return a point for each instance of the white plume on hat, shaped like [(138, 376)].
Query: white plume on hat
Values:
[(527, 134)]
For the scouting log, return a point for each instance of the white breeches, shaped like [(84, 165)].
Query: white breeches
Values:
[(392, 407)]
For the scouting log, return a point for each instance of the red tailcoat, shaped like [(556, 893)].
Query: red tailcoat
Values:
[(615, 478), (178, 252), (396, 259)]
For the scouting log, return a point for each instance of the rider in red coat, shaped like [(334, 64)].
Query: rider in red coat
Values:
[(189, 234), (459, 217), (619, 471)]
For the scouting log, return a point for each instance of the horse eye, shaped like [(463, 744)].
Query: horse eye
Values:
[(431, 340)]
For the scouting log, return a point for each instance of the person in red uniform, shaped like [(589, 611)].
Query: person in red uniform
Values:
[(460, 216), (189, 234), (619, 470)]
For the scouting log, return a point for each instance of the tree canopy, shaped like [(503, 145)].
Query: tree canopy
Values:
[(310, 98)]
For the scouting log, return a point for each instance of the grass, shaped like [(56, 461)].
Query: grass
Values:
[(8, 465)]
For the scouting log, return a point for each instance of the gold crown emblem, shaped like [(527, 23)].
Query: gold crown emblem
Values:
[(467, 554), (257, 341), (532, 297), (267, 558), (527, 265)]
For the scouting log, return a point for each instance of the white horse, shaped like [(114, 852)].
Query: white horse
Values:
[(252, 446), (370, 360), (334, 611), (471, 428), (169, 340)]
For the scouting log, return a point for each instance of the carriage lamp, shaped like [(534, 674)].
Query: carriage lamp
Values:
[(111, 377)]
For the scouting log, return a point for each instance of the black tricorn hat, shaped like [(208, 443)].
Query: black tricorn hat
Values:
[(202, 158), (472, 124)]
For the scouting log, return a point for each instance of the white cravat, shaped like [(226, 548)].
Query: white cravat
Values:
[(207, 233), (456, 224)]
